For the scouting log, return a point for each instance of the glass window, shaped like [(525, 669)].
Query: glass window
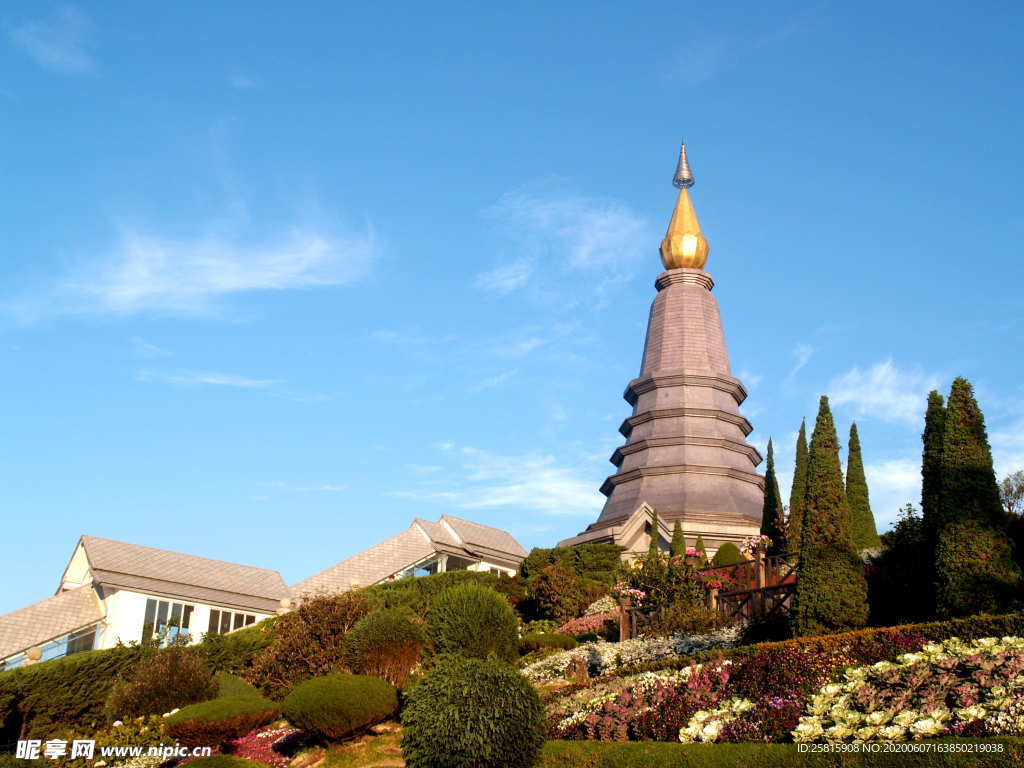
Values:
[(186, 617), (214, 623), (149, 623), (239, 618), (249, 619), (162, 608), (225, 622), (81, 641)]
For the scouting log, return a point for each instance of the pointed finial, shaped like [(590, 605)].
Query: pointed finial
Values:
[(684, 246), (683, 178)]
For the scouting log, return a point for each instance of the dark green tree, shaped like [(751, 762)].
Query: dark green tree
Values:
[(655, 549), (931, 466), (772, 523), (797, 494), (831, 591), (678, 540), (865, 534), (973, 556)]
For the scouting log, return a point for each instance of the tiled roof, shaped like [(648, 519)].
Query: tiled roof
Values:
[(423, 538), (49, 619), (131, 566)]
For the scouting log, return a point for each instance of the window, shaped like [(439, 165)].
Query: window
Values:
[(164, 621), (222, 622)]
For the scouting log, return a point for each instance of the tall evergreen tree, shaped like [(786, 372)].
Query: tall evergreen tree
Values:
[(699, 546), (973, 555), (931, 466), (678, 540), (772, 522), (797, 494), (655, 547), (831, 591), (865, 534)]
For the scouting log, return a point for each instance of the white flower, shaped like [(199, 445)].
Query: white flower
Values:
[(879, 717), (117, 724), (893, 732), (929, 726), (808, 729)]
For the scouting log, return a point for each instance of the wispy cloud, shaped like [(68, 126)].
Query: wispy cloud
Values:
[(142, 348), (533, 482), (151, 274), (802, 354), (884, 392), (572, 232), (520, 347), (207, 378), (57, 43), (1008, 448), (495, 381)]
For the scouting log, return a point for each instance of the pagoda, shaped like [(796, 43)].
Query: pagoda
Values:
[(685, 454)]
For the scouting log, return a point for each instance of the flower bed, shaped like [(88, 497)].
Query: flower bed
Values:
[(607, 658), (585, 624)]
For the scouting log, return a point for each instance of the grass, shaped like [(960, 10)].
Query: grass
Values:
[(368, 752)]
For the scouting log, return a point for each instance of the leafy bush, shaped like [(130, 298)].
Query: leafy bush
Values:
[(218, 720), (308, 642), (597, 562), (384, 644), (975, 567), (235, 652), (64, 693), (534, 642), (233, 685), (164, 680), (337, 706), (470, 620), (560, 593), (418, 593), (224, 761), (831, 592), (728, 554), (472, 713)]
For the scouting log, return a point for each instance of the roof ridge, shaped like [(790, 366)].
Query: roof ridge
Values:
[(173, 552)]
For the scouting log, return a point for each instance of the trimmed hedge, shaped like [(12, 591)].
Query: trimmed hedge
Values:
[(337, 706), (70, 692), (233, 685), (537, 640), (213, 722), (728, 554), (235, 652), (472, 713), (418, 593), (644, 754), (471, 620), (871, 645)]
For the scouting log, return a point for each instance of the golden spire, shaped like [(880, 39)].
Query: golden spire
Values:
[(684, 244)]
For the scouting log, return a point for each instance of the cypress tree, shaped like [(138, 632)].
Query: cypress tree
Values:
[(831, 591), (931, 465), (865, 534), (654, 549), (699, 546), (772, 523), (678, 540), (973, 556), (797, 494)]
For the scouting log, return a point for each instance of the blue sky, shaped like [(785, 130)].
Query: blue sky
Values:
[(276, 281)]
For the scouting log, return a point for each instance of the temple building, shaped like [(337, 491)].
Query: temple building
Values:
[(685, 454)]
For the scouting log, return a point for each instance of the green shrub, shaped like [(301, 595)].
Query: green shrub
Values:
[(233, 685), (308, 642), (214, 722), (63, 693), (536, 641), (728, 554), (336, 706), (417, 594), (225, 761), (236, 651), (472, 713), (831, 593), (470, 620), (164, 680), (975, 567), (1005, 751), (598, 562), (385, 644)]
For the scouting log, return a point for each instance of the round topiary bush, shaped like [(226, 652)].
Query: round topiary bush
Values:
[(214, 722), (473, 713), (385, 644), (336, 706), (536, 641), (728, 554), (473, 621)]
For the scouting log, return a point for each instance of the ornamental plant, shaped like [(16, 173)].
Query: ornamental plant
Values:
[(163, 680), (474, 621), (214, 722), (337, 706), (385, 644)]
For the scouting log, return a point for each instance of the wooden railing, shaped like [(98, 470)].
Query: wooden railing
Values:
[(755, 589)]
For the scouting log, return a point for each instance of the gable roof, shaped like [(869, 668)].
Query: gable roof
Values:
[(449, 535), (146, 569), (49, 619)]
